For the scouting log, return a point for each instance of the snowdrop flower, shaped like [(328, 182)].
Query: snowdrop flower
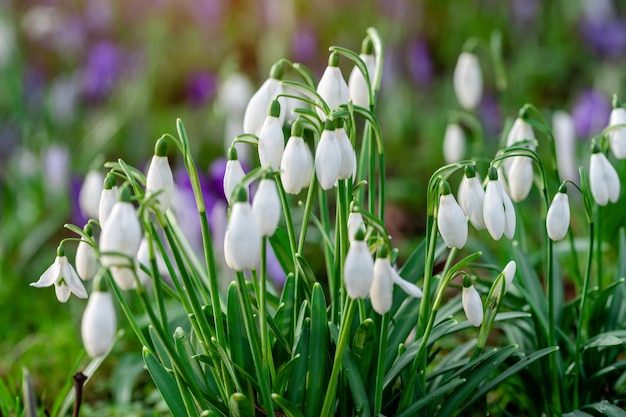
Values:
[(242, 242), (64, 278), (451, 220), (256, 111), (471, 197), (565, 140), (520, 177), (406, 286), (358, 268), (328, 157), (271, 139), (98, 326), (453, 143), (233, 174), (357, 84), (509, 274), (86, 259), (472, 304), (121, 233), (159, 177), (617, 131), (498, 211), (355, 223), (348, 155), (468, 81), (557, 220), (603, 178), (296, 165), (520, 131), (332, 87), (266, 207), (90, 192), (108, 198), (381, 291)]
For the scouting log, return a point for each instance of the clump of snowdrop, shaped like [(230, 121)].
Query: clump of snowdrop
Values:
[(90, 192), (381, 291), (266, 206), (472, 197), (454, 143), (468, 81), (498, 210), (617, 129), (357, 83), (242, 242), (86, 258), (62, 275), (108, 198), (233, 174), (99, 323), (558, 218), (159, 177), (332, 87), (451, 219), (603, 178), (296, 165), (328, 157), (271, 139), (259, 103), (358, 268)]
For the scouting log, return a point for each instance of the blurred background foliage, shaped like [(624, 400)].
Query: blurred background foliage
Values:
[(86, 81)]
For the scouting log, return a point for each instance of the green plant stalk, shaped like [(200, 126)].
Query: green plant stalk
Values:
[(328, 253), (553, 362), (126, 310), (380, 364), (381, 184), (158, 284), (288, 221), (598, 238), (371, 193), (363, 158), (265, 351), (344, 335), (341, 239), (253, 338)]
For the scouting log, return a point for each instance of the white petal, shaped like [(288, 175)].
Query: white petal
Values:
[(243, 245), (266, 207), (296, 165), (453, 143), (565, 141), (89, 196), (408, 287), (98, 325), (124, 276), (49, 276), (520, 131), (357, 85), (381, 291), (259, 104), (451, 222), (122, 231), (72, 280), (333, 89), (617, 135), (327, 160), (509, 274), (471, 199), (358, 270), (159, 178), (62, 291), (520, 177), (86, 261), (509, 213), (232, 177), (271, 143), (355, 223), (472, 305), (468, 81), (348, 156), (108, 199), (493, 211), (558, 218), (597, 180)]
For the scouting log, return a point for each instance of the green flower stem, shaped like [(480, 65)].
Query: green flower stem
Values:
[(263, 306), (598, 238), (288, 221), (381, 184), (341, 239), (380, 364), (253, 338), (372, 174), (329, 253), (363, 158), (308, 206), (158, 282), (344, 335)]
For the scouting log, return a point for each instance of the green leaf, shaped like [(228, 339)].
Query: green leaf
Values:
[(288, 408), (165, 383), (603, 340), (316, 381), (364, 346), (282, 376), (605, 408), (280, 245), (577, 413), (431, 397), (240, 406), (296, 390), (284, 318), (237, 338)]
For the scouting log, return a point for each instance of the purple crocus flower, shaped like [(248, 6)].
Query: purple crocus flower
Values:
[(201, 88), (490, 115), (304, 45), (607, 37), (591, 113), (419, 62), (101, 70), (524, 12)]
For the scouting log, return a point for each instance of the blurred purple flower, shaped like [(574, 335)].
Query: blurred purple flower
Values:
[(304, 44), (34, 83), (101, 70), (419, 62), (490, 115), (591, 113), (98, 15), (605, 37), (201, 88), (77, 217), (524, 12), (396, 10)]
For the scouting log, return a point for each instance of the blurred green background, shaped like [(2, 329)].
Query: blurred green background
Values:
[(85, 81)]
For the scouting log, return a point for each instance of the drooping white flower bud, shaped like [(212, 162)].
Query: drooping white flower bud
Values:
[(271, 139), (86, 258), (348, 155), (472, 304), (453, 143), (122, 234), (332, 87), (521, 131), (328, 157), (64, 278), (451, 220), (617, 131), (565, 141), (471, 197), (468, 81), (242, 243), (99, 324), (233, 174), (108, 198), (256, 111), (296, 165), (358, 268), (266, 207), (381, 291), (509, 274), (357, 84), (90, 192), (557, 220), (520, 177), (159, 177), (355, 223), (603, 178), (498, 211)]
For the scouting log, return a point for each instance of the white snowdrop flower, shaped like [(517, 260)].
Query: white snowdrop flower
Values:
[(468, 81), (332, 87), (328, 157), (86, 259), (232, 175), (617, 131), (358, 268), (90, 192), (348, 155), (381, 291), (472, 197), (564, 132), (451, 220), (98, 325), (271, 139), (121, 233), (498, 211), (62, 275), (242, 243), (259, 103), (296, 165), (509, 274), (355, 223), (159, 177), (357, 84), (108, 198), (520, 177), (603, 178), (520, 131), (453, 143), (472, 304), (266, 207), (406, 286), (557, 220)]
